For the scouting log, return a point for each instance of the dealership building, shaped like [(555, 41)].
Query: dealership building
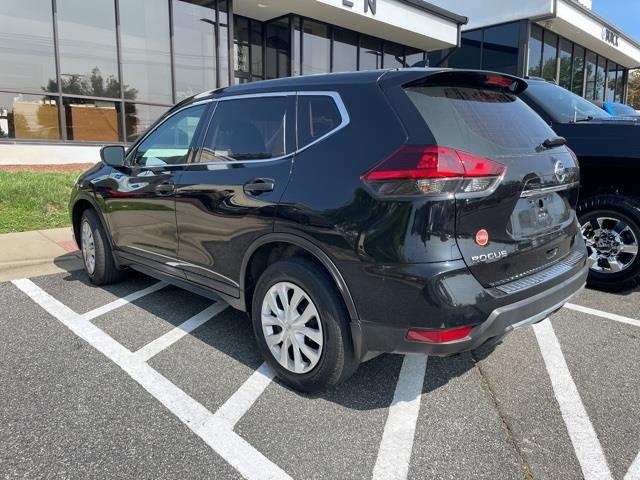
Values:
[(77, 74)]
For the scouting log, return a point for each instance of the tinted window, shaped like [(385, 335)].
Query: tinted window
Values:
[(345, 50), (316, 50), (145, 50), (565, 53), (393, 55), (138, 118), (535, 51), (246, 129), (501, 48), (194, 47), (549, 56), (578, 70), (87, 38), (561, 104), (29, 116), (370, 53), (317, 115), (484, 122), (92, 120), (171, 141), (26, 55), (468, 55)]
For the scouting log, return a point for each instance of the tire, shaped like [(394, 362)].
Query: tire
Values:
[(335, 362), (101, 266), (612, 212)]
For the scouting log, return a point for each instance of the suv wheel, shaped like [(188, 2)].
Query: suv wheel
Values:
[(96, 251), (301, 326), (611, 229)]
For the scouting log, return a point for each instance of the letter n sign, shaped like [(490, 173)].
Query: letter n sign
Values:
[(368, 5)]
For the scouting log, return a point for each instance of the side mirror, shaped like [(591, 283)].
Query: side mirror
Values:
[(112, 155)]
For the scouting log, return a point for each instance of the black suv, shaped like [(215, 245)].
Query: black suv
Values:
[(416, 210), (608, 149)]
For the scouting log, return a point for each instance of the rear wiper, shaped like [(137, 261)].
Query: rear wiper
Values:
[(552, 142)]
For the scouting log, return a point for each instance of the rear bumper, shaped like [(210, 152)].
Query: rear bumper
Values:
[(453, 299)]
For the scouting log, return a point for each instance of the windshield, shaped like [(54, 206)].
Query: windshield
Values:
[(562, 105), (621, 109)]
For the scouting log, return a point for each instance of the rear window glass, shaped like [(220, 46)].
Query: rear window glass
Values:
[(484, 122), (317, 116)]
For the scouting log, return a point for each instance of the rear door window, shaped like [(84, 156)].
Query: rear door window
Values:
[(317, 116), (246, 129), (482, 121)]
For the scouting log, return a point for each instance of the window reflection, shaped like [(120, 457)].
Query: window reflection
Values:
[(578, 70), (549, 56), (590, 72), (278, 46), (26, 56), (370, 53), (87, 44), (194, 46), (500, 48), (146, 62), (345, 50), (32, 117), (535, 51), (92, 120), (564, 55), (138, 118), (316, 50), (393, 55), (223, 50)]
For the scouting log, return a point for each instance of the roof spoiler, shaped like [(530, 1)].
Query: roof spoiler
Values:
[(500, 81)]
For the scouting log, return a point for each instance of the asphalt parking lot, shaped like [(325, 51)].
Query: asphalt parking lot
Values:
[(144, 380)]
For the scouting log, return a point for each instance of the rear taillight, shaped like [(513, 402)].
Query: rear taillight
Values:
[(437, 336), (436, 171)]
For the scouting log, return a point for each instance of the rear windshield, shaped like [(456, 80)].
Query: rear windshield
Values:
[(480, 121)]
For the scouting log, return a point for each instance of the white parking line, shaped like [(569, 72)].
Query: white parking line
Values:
[(600, 313), (169, 338), (235, 450), (240, 402), (395, 449), (583, 436), (634, 470), (123, 301)]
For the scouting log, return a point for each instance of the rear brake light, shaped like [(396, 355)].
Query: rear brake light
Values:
[(437, 336), (498, 81), (434, 170)]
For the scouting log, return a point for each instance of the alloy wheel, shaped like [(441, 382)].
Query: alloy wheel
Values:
[(88, 247), (611, 243), (292, 327)]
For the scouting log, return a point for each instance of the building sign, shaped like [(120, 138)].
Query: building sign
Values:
[(369, 5), (610, 37)]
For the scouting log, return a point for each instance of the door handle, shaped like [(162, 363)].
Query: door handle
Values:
[(165, 188), (259, 185)]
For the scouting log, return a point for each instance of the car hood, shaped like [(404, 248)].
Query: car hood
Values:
[(602, 137)]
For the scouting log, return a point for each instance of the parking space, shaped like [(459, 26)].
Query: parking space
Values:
[(145, 380)]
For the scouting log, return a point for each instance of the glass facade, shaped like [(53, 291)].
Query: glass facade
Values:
[(104, 70), (491, 48), (573, 67)]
